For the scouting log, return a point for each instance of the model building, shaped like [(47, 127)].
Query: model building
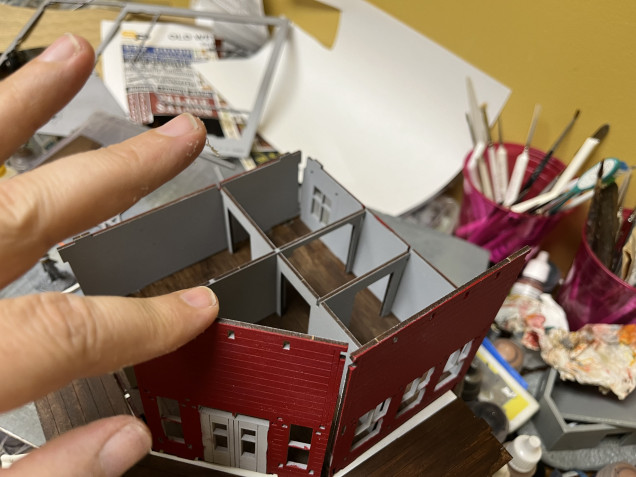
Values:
[(332, 332)]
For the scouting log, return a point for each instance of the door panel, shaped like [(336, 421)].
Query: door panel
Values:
[(239, 441)]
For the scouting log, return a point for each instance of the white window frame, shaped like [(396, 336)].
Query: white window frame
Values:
[(320, 206), (454, 365), (414, 392), (369, 424)]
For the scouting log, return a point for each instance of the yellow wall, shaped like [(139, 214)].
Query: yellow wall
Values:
[(565, 55)]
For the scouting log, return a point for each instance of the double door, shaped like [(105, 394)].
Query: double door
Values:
[(236, 441)]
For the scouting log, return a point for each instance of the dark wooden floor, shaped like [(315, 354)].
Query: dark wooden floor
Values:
[(199, 273), (81, 402), (366, 322), (324, 272), (295, 316)]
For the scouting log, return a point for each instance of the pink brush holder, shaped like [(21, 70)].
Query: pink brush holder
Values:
[(498, 229), (593, 294)]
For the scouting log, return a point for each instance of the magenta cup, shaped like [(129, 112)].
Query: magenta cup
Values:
[(593, 294), (498, 229)]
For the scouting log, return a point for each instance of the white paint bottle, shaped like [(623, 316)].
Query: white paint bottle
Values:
[(526, 454)]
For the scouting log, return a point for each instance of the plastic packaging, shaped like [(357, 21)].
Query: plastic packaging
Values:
[(526, 454)]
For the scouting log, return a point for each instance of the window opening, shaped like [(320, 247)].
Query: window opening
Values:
[(454, 365), (170, 415), (369, 424), (299, 446), (414, 392), (320, 206), (219, 437), (248, 442)]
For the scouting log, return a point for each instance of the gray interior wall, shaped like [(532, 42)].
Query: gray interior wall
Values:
[(377, 245), (126, 257), (250, 293), (301, 286), (338, 241), (421, 285), (341, 302), (269, 194), (260, 245), (343, 203), (342, 230)]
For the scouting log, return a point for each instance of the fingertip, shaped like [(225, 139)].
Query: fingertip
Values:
[(199, 297), (124, 448), (106, 448), (181, 125), (65, 48), (203, 308)]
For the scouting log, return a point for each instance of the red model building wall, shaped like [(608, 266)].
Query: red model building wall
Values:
[(283, 378), (385, 369)]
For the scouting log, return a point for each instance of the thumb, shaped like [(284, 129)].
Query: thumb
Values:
[(104, 448)]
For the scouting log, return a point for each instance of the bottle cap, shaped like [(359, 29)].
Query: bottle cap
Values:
[(538, 268), (526, 453)]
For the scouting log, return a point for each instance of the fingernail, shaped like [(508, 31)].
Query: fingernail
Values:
[(124, 449), (179, 126), (62, 49), (199, 297)]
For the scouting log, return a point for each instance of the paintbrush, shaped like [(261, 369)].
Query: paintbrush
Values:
[(566, 176), (502, 156), (475, 122), (498, 186), (592, 214), (612, 168), (521, 163), (581, 156), (544, 161)]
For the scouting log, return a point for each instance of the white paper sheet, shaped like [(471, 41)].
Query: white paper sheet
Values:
[(383, 111)]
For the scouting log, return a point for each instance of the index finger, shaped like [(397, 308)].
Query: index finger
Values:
[(38, 90), (63, 198)]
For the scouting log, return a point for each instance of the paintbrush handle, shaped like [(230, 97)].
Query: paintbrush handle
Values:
[(472, 164), (534, 201), (575, 164), (484, 175), (502, 160), (498, 186), (518, 172)]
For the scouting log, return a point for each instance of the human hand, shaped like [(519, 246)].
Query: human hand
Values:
[(50, 339)]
